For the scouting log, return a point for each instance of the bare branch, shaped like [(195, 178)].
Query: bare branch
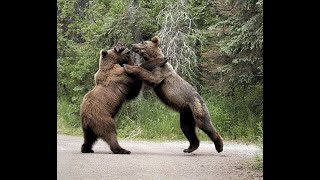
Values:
[(176, 26)]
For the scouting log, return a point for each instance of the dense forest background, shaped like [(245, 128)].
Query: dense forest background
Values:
[(216, 45)]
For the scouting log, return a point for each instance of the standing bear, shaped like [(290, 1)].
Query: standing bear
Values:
[(177, 93), (100, 105)]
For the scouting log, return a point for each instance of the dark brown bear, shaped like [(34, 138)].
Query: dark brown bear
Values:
[(101, 104), (176, 93)]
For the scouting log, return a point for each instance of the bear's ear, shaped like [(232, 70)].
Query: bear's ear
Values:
[(155, 40), (119, 48), (103, 53)]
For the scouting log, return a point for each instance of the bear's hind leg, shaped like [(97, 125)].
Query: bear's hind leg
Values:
[(204, 123), (89, 138), (111, 139), (108, 133), (188, 127)]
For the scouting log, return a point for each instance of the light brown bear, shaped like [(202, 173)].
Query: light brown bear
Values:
[(101, 104), (177, 93)]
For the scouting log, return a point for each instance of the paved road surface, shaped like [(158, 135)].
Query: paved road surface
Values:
[(154, 160)]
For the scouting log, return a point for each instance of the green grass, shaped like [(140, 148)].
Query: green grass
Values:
[(258, 163), (68, 118), (147, 117)]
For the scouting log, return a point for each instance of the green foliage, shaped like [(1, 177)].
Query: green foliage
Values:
[(116, 25), (203, 13), (126, 18), (244, 44), (150, 10), (68, 118), (235, 116), (77, 60)]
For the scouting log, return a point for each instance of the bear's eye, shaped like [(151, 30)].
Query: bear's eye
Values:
[(142, 42)]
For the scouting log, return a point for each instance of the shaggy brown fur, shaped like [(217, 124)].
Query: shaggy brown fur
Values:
[(176, 93), (150, 65), (101, 104)]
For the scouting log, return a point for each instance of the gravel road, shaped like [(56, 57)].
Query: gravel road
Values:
[(154, 160)]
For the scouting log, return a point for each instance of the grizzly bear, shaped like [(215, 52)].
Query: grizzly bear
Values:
[(177, 93), (101, 104)]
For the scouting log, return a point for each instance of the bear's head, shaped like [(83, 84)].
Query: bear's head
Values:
[(149, 50), (118, 55)]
